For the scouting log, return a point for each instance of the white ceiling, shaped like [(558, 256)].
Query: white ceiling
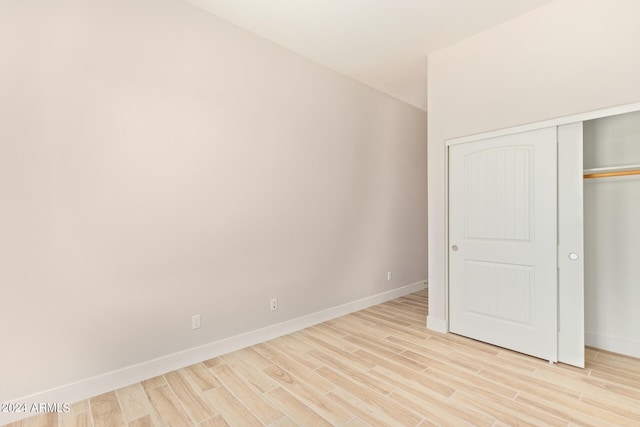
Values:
[(382, 43)]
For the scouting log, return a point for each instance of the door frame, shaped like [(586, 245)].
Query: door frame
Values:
[(439, 321)]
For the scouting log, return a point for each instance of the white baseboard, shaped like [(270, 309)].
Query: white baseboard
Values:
[(614, 344), (437, 324), (114, 380)]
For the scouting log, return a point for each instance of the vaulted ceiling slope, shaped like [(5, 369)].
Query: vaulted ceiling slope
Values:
[(381, 43)]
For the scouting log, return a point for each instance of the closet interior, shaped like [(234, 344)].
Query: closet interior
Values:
[(612, 233)]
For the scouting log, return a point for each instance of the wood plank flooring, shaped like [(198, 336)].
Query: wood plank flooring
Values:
[(376, 367)]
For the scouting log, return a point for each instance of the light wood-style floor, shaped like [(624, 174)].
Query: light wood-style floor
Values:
[(379, 366)]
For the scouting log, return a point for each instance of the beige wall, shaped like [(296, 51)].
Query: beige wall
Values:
[(565, 58), (156, 162)]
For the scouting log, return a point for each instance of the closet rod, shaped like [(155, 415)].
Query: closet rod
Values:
[(609, 174)]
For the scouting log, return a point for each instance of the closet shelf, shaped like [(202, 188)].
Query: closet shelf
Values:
[(612, 171)]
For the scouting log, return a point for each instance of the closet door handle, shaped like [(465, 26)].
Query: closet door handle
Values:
[(454, 248), (573, 256)]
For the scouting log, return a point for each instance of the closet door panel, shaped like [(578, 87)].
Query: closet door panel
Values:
[(570, 246), (503, 241)]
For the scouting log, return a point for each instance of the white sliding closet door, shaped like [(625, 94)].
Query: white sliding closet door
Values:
[(503, 269), (571, 333)]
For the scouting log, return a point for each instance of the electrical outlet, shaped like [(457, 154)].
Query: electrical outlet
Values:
[(195, 321), (389, 275), (274, 304)]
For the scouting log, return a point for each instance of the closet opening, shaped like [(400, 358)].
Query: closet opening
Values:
[(611, 156)]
